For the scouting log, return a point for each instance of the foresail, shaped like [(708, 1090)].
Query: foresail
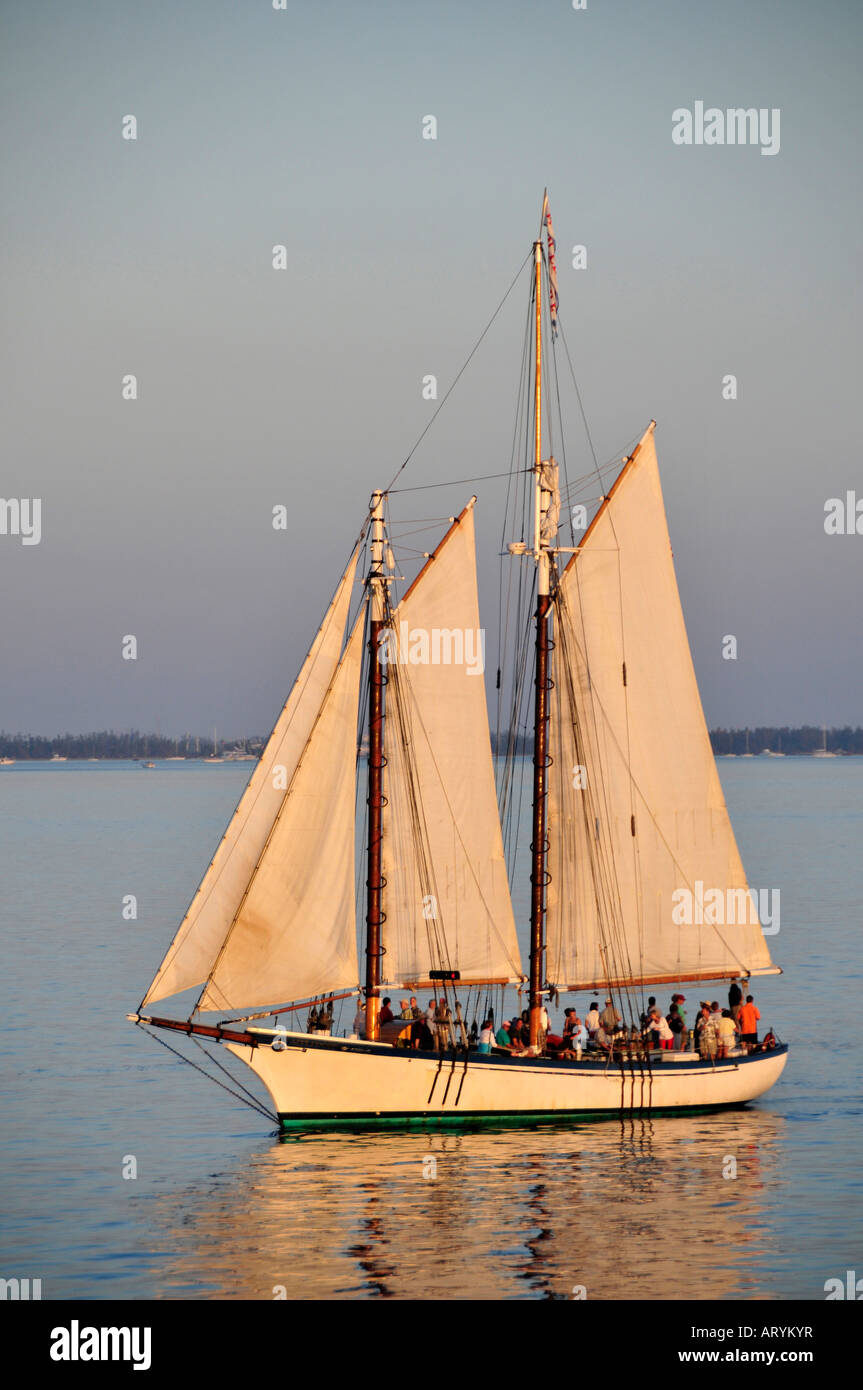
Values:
[(294, 934), (447, 895), (199, 939), (646, 878)]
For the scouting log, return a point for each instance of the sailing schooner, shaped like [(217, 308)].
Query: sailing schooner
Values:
[(627, 811)]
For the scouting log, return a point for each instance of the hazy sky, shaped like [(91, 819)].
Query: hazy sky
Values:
[(303, 386)]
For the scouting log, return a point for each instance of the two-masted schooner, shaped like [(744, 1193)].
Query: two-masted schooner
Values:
[(628, 816)]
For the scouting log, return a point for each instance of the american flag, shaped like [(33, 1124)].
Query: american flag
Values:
[(554, 299)]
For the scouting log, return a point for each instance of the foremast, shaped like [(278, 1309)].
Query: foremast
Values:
[(374, 877)]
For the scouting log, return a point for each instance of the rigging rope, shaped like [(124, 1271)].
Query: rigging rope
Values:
[(253, 1099), (452, 482), (462, 369), (253, 1104)]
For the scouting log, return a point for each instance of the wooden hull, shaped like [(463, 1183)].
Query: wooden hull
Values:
[(325, 1083)]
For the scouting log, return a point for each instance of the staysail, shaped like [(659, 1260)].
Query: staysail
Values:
[(646, 882), (447, 895), (294, 933), (199, 939)]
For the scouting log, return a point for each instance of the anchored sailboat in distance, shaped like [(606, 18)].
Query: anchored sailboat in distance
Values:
[(628, 818)]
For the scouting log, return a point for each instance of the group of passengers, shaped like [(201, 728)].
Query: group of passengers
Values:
[(716, 1032), (431, 1028)]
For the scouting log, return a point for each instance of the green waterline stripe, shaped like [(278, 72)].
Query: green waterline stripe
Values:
[(479, 1120)]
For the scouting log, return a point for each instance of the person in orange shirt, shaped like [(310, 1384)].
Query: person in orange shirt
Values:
[(747, 1022)]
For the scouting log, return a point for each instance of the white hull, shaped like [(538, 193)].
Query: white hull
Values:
[(317, 1082)]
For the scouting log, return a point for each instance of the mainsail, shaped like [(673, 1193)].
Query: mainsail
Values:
[(638, 825), (447, 895), (201, 934)]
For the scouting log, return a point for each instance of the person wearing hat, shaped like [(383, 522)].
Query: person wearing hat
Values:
[(610, 1019), (709, 1033), (502, 1037)]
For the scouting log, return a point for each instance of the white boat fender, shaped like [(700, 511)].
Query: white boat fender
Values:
[(278, 1044)]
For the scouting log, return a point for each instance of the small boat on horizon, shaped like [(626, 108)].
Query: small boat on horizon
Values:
[(823, 751), (215, 756)]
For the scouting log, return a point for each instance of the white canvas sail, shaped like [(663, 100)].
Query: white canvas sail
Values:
[(190, 957), (294, 934), (637, 818), (447, 896)]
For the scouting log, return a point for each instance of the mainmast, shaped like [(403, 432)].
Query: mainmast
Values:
[(539, 845), (374, 878)]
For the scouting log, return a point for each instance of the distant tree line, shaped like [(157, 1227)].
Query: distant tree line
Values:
[(110, 744), (133, 744), (806, 739)]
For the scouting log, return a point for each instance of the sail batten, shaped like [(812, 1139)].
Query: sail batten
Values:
[(637, 818), (201, 934)]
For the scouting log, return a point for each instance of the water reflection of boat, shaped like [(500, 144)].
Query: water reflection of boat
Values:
[(608, 1208)]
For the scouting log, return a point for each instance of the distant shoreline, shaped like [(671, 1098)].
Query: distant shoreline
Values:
[(109, 746)]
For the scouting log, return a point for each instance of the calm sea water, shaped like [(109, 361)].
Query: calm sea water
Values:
[(222, 1208)]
